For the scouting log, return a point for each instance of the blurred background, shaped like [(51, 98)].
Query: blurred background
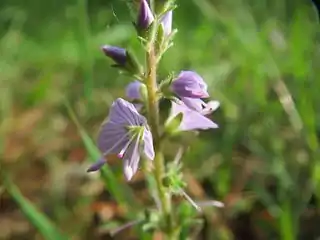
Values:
[(261, 60)]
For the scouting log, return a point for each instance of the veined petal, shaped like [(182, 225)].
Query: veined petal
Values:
[(123, 112), (196, 121), (191, 119), (193, 103), (148, 144), (112, 138), (131, 159)]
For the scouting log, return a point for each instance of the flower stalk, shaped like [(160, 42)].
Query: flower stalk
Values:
[(153, 119)]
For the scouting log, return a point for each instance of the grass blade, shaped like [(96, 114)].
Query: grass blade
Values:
[(38, 219)]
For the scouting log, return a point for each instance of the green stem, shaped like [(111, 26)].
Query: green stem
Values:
[(286, 222), (159, 165), (86, 59)]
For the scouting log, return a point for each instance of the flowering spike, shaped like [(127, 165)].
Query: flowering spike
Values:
[(121, 135), (145, 16), (166, 22), (190, 84)]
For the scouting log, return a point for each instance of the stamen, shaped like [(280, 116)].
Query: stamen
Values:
[(124, 149), (123, 227), (211, 203), (178, 155), (189, 199)]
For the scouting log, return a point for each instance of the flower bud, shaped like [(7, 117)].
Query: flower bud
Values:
[(123, 59), (137, 92), (117, 54), (166, 22), (145, 16), (189, 84), (133, 90)]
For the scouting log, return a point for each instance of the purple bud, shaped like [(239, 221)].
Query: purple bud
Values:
[(117, 54), (133, 90), (97, 165), (145, 17), (166, 22), (190, 84)]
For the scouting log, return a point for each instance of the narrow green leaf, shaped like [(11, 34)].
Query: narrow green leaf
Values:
[(38, 219)]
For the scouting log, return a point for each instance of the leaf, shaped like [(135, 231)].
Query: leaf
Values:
[(38, 219)]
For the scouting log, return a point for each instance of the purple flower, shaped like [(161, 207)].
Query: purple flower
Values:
[(191, 118), (133, 93), (166, 22), (145, 16), (117, 54), (190, 84), (133, 90), (126, 134)]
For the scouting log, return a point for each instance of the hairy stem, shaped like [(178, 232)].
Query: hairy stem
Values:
[(153, 117)]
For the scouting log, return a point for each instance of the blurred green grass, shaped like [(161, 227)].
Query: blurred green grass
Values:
[(261, 61)]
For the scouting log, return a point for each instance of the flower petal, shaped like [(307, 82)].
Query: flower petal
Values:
[(97, 165), (148, 149), (127, 171), (112, 138), (123, 112), (194, 103), (200, 106), (190, 84), (210, 107), (138, 106), (191, 119), (131, 159)]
